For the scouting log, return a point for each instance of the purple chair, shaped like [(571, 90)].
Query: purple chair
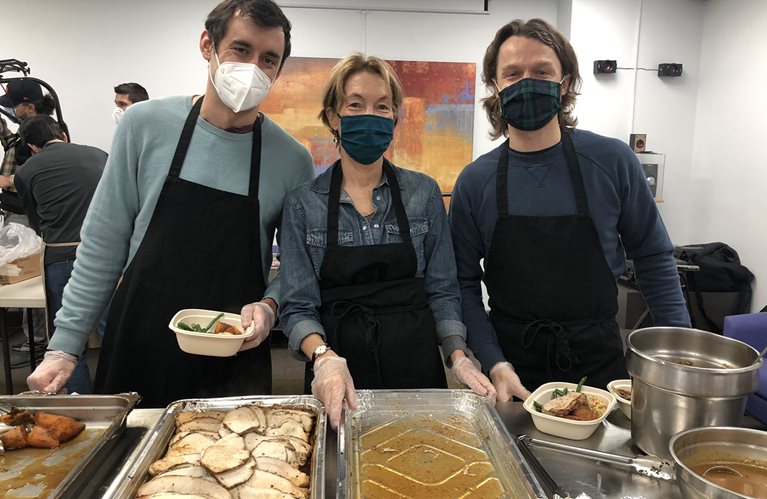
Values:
[(752, 329)]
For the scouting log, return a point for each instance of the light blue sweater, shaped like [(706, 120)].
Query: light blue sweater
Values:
[(125, 199)]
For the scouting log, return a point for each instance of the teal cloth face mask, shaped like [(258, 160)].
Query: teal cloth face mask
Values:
[(366, 137)]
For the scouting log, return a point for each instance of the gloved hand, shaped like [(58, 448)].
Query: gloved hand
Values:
[(332, 384), (507, 382), (262, 317), (468, 374), (53, 372)]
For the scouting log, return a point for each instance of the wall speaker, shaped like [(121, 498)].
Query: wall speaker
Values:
[(669, 69), (638, 141), (605, 66)]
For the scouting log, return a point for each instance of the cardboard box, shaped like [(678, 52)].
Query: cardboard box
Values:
[(30, 267)]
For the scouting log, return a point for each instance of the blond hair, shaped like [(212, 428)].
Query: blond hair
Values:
[(333, 96)]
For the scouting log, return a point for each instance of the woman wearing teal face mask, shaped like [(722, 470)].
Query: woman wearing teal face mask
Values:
[(369, 287)]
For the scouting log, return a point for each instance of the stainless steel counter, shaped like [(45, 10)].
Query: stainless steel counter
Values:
[(581, 475), (575, 475)]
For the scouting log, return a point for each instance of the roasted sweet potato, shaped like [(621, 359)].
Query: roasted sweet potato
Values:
[(15, 438), (61, 428), (17, 417), (41, 438), (224, 328)]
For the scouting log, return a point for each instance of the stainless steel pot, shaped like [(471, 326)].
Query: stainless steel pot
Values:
[(714, 445), (686, 378)]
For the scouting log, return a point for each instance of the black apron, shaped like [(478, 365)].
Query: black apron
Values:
[(201, 250), (553, 298), (374, 310)]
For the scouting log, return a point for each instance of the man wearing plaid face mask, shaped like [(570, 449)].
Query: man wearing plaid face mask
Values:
[(553, 212)]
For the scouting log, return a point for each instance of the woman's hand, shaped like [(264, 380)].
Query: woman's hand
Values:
[(332, 384), (468, 374), (263, 318), (507, 383)]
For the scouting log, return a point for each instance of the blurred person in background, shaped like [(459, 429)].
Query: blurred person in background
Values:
[(127, 94), (56, 185), (26, 98)]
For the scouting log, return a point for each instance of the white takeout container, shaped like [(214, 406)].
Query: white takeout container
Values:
[(561, 427), (214, 345), (623, 404)]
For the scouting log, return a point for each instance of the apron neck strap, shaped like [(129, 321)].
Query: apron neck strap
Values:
[(502, 176), (575, 172), (334, 198), (186, 138), (399, 207)]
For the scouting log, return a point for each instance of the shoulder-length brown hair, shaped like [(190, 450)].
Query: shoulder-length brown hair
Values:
[(548, 35)]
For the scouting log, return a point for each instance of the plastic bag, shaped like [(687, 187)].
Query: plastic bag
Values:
[(18, 241)]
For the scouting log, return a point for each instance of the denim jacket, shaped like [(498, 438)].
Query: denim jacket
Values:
[(303, 242)]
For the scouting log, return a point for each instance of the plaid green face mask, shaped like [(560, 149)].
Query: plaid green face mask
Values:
[(530, 104)]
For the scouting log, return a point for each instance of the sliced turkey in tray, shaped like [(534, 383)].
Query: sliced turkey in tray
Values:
[(233, 448)]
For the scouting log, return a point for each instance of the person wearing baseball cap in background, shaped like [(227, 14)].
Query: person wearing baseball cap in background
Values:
[(26, 98)]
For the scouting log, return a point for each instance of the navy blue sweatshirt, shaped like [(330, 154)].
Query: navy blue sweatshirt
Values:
[(621, 205)]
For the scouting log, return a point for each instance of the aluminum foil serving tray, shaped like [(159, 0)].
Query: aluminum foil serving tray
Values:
[(429, 444), (155, 443), (66, 471)]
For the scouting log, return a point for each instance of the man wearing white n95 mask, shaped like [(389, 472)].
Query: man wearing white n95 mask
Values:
[(186, 213), (127, 94)]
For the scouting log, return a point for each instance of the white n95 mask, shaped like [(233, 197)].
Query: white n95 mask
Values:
[(118, 114), (241, 86)]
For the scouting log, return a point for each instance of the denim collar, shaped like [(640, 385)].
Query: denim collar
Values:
[(321, 184)]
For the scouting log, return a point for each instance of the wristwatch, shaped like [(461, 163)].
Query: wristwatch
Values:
[(320, 350)]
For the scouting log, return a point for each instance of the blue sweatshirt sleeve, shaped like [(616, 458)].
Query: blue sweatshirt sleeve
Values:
[(648, 244), (469, 252)]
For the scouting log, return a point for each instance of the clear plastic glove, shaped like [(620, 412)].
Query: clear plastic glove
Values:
[(468, 374), (332, 384), (262, 317), (53, 372), (507, 383)]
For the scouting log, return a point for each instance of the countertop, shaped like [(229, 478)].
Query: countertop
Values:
[(575, 475)]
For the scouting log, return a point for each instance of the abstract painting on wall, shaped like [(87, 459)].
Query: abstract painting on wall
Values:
[(436, 122)]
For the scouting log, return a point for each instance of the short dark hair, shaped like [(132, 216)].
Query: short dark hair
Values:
[(540, 30), (39, 130), (264, 13), (134, 91)]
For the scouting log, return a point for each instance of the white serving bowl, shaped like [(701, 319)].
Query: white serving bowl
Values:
[(623, 404), (214, 345), (561, 427)]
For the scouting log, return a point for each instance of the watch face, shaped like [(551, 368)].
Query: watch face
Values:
[(319, 351)]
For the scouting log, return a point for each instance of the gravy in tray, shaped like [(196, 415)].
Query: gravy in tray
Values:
[(753, 481), (27, 473), (426, 458)]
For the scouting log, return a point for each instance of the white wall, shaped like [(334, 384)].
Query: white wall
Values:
[(728, 181), (83, 48), (642, 34)]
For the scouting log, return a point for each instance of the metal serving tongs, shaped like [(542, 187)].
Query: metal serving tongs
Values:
[(650, 465)]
